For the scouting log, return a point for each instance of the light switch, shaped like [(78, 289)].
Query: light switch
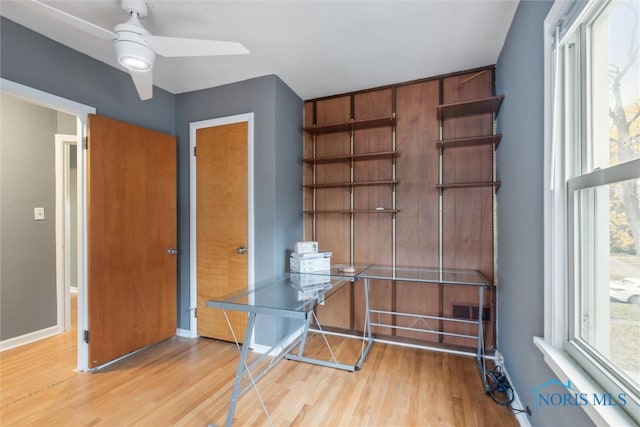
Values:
[(38, 214)]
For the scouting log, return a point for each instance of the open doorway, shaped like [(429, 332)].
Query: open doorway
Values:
[(37, 214), (29, 303), (66, 224)]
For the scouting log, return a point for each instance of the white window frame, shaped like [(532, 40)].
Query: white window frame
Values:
[(557, 208)]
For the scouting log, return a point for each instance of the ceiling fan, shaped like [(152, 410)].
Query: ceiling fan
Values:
[(136, 48)]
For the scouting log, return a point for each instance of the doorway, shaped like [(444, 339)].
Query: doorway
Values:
[(80, 112), (109, 215), (66, 226), (236, 247)]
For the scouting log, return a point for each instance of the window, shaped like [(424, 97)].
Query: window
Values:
[(593, 208)]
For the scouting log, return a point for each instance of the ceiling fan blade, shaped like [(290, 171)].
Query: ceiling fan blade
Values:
[(175, 46), (143, 80), (74, 21)]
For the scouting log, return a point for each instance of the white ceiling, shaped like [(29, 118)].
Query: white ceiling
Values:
[(317, 47)]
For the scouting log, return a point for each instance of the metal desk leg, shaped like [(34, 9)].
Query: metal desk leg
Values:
[(303, 339), (367, 325), (480, 351), (242, 363), (301, 358)]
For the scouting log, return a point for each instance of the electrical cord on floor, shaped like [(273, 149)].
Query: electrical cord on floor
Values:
[(501, 391)]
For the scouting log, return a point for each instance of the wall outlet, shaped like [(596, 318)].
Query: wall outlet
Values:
[(38, 214)]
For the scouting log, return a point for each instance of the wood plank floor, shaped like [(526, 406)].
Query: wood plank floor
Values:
[(187, 382)]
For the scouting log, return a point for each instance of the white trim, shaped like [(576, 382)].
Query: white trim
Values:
[(82, 244), (554, 198), (45, 99), (522, 417), (552, 297), (193, 127), (185, 333), (61, 271), (82, 112), (30, 337), (278, 349), (556, 296), (63, 293)]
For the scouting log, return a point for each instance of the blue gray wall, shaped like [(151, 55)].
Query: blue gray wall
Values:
[(520, 77), (277, 173)]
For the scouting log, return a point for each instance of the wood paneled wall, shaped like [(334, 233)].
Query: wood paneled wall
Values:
[(410, 237)]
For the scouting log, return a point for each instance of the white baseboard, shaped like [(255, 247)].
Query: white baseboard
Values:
[(30, 337), (262, 349), (186, 333), (258, 348), (522, 417)]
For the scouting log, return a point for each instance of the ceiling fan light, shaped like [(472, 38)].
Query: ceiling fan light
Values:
[(133, 55), (134, 63)]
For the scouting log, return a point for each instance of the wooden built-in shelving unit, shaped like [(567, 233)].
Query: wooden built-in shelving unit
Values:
[(405, 175)]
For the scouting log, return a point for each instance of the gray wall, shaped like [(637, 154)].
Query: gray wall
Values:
[(520, 77), (288, 174), (67, 124), (277, 173), (288, 226), (28, 254)]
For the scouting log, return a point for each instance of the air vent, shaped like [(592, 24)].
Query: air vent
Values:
[(470, 312)]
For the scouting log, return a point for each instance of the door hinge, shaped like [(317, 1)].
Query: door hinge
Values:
[(86, 336), (194, 151), (86, 142), (195, 313)]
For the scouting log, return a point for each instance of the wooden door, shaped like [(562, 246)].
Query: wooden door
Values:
[(221, 224), (131, 202)]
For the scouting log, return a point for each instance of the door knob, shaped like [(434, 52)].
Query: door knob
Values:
[(172, 251), (241, 250)]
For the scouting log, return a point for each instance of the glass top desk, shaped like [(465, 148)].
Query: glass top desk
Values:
[(292, 296), (427, 276), (295, 296)]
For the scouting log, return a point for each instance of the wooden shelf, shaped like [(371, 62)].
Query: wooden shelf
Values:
[(495, 184), (352, 184), (470, 108), (475, 140), (351, 125), (355, 157), (354, 211)]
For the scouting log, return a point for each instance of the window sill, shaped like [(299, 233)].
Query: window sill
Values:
[(567, 370)]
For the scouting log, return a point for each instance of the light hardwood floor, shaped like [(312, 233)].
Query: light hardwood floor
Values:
[(187, 382)]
